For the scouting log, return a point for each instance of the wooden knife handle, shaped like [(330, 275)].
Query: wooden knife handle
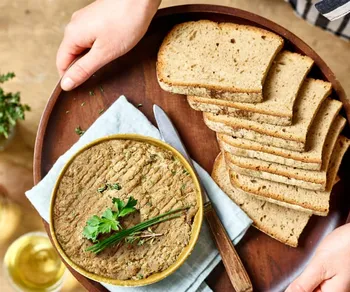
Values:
[(234, 267)]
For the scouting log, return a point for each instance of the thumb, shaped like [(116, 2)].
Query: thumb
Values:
[(83, 68), (310, 278)]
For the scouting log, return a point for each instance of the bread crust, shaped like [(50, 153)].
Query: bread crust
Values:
[(291, 240), (224, 92)]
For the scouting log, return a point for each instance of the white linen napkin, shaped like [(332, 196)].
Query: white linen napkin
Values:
[(123, 117)]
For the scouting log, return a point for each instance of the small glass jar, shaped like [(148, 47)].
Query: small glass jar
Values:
[(32, 264)]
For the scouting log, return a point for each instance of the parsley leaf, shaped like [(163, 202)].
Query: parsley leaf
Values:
[(11, 108), (114, 186), (125, 209), (109, 220), (110, 186), (79, 131)]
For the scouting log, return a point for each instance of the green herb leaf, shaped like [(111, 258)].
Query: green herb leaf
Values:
[(109, 221), (101, 111), (96, 225), (131, 234), (11, 109), (79, 131), (102, 189), (128, 208), (125, 209), (6, 77), (90, 232), (93, 221), (114, 186)]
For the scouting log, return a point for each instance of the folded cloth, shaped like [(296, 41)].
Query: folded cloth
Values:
[(122, 117)]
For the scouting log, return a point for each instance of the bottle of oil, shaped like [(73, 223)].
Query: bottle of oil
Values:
[(32, 264)]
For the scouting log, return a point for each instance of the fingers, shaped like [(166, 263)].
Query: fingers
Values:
[(310, 279), (66, 55), (75, 42), (82, 69), (337, 283)]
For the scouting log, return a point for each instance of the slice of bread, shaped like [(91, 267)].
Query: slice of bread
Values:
[(221, 60), (317, 147), (307, 179), (294, 197), (281, 223), (280, 91), (311, 95)]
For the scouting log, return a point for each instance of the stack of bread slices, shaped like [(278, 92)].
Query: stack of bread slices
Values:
[(279, 130)]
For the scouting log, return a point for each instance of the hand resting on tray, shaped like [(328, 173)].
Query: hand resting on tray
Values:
[(109, 28), (329, 269)]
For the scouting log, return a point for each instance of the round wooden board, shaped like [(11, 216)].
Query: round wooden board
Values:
[(270, 264)]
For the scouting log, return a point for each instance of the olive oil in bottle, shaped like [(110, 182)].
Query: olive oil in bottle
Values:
[(33, 264)]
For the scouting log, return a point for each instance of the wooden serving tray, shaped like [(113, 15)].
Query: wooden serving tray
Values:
[(270, 264)]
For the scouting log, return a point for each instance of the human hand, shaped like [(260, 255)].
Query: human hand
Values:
[(109, 28), (329, 269)]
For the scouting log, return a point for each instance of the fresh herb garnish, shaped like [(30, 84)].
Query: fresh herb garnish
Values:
[(185, 171), (124, 209), (114, 186), (139, 276), (101, 111), (91, 93), (79, 131), (142, 237), (102, 189), (109, 220), (6, 77), (11, 108), (153, 157), (110, 186), (133, 231)]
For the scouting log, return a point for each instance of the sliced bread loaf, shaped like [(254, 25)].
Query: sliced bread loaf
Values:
[(280, 91), (281, 223), (291, 196), (310, 98), (317, 147), (220, 60), (307, 179)]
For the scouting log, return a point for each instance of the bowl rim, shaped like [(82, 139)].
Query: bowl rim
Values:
[(196, 226)]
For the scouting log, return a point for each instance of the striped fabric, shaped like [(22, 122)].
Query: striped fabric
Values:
[(331, 15)]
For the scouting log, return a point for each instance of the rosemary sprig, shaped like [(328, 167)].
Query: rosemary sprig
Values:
[(123, 234)]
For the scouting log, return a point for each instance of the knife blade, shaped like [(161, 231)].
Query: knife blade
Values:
[(172, 137), (234, 267)]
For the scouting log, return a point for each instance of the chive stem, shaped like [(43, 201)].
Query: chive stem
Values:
[(115, 238)]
